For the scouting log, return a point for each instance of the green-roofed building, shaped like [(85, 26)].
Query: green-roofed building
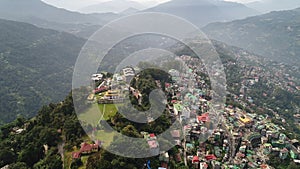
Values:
[(293, 154), (236, 167), (260, 127), (279, 144), (178, 107), (250, 152)]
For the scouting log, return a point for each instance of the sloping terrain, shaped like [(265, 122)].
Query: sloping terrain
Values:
[(202, 12), (36, 67), (275, 35)]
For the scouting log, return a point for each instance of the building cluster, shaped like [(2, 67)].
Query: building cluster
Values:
[(237, 139), (108, 90), (190, 105), (253, 138), (284, 76), (241, 140), (86, 149)]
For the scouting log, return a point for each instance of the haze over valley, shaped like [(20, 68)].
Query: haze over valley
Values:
[(227, 96)]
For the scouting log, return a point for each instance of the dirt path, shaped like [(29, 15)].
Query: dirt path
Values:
[(60, 148)]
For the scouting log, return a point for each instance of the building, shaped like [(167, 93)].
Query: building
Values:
[(283, 153), (203, 118), (76, 155), (111, 96), (96, 77), (293, 154), (203, 165), (195, 161), (128, 73), (210, 157), (88, 148)]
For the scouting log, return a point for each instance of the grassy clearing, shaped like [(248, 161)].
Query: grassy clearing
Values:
[(92, 116), (105, 137), (97, 112), (109, 110)]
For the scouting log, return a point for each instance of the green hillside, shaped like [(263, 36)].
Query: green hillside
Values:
[(43, 15), (36, 67), (275, 35)]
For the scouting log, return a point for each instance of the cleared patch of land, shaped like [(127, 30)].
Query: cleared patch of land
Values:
[(97, 112)]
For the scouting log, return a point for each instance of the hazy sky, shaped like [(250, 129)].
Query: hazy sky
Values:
[(78, 4), (243, 1)]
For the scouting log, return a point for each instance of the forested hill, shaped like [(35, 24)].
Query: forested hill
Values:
[(43, 15), (26, 150), (22, 141), (36, 67), (274, 35)]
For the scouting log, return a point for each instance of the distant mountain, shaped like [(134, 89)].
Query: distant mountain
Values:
[(36, 67), (129, 11), (274, 35), (115, 6), (43, 15), (202, 12), (274, 5)]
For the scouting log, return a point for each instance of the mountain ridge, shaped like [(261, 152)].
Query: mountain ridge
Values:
[(43, 15), (115, 6), (36, 67), (273, 5), (274, 35), (202, 12)]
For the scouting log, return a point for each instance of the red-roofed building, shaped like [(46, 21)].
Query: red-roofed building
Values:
[(264, 166), (100, 89), (173, 101), (203, 118), (203, 166), (88, 148), (167, 85), (210, 157), (152, 144), (76, 155), (152, 135), (195, 159)]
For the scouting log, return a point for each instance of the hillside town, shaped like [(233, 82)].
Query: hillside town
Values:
[(241, 139)]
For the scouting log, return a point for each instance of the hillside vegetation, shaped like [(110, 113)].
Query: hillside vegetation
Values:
[(36, 67), (274, 35)]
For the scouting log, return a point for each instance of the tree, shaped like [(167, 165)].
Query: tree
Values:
[(293, 166), (31, 154), (51, 161), (130, 131), (7, 157), (76, 163), (18, 165), (49, 136)]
